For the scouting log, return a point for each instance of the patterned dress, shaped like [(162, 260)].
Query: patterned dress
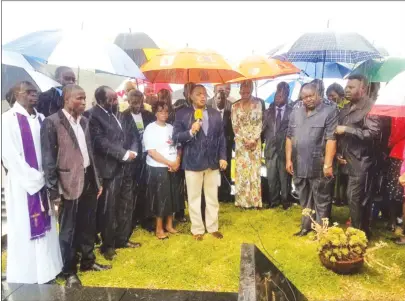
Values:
[(247, 124)]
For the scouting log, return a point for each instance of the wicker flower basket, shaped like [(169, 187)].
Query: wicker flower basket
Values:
[(343, 267)]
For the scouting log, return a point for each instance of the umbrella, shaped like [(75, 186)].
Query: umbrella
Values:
[(258, 67), (16, 68), (75, 49), (188, 65), (381, 70), (331, 70), (138, 45), (327, 47), (391, 101)]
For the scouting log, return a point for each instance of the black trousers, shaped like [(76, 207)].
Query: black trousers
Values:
[(224, 191), (279, 181), (140, 186), (359, 196), (77, 223), (315, 194), (116, 206)]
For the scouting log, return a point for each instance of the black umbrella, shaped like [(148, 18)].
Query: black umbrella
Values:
[(134, 44)]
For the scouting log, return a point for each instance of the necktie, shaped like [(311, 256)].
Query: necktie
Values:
[(278, 119)]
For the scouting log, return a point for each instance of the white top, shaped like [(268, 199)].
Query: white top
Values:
[(159, 138), (81, 138)]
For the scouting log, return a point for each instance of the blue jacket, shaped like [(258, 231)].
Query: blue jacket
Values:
[(202, 151)]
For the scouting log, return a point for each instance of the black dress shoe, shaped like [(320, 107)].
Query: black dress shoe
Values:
[(109, 254), (73, 281), (302, 232), (53, 281), (96, 267), (286, 205), (274, 205)]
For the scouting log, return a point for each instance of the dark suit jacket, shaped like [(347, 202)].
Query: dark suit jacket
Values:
[(62, 160), (108, 142), (229, 134), (358, 144), (132, 138), (49, 102), (275, 141), (202, 151)]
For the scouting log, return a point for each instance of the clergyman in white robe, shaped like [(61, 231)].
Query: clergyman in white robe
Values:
[(29, 260)]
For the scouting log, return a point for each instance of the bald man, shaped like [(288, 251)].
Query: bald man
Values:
[(71, 176)]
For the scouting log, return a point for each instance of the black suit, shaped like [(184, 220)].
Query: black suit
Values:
[(138, 169), (116, 203), (278, 179), (49, 102), (358, 147)]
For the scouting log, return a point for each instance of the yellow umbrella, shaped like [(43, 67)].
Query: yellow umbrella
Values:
[(188, 65), (258, 67)]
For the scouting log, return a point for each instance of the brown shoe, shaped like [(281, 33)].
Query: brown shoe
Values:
[(198, 237), (217, 234)]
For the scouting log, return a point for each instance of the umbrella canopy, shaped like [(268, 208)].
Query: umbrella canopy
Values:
[(137, 45), (76, 49), (391, 101), (328, 70), (188, 65), (327, 47), (258, 67), (16, 68), (381, 70)]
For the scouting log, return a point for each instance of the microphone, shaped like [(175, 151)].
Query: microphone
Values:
[(198, 115)]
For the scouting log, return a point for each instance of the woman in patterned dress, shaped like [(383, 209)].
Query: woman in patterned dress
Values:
[(247, 125)]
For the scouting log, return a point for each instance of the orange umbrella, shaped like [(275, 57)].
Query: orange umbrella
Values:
[(257, 67), (188, 65)]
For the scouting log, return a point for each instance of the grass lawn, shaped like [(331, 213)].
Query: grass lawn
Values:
[(213, 265)]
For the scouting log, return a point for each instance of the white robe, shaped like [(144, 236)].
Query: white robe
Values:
[(28, 261)]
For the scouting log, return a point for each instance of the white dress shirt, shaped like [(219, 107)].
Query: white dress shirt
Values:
[(81, 138), (282, 111)]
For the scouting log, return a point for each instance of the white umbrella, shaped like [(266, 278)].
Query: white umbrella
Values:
[(77, 49), (16, 68)]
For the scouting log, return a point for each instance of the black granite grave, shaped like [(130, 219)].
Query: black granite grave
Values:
[(261, 280)]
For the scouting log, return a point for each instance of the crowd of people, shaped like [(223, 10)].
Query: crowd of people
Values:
[(102, 172)]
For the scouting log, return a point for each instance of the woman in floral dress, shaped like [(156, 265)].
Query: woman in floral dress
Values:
[(247, 125)]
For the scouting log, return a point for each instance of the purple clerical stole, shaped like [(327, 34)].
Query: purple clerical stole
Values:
[(40, 221)]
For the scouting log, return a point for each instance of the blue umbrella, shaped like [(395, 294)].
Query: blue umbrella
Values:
[(329, 70), (327, 47)]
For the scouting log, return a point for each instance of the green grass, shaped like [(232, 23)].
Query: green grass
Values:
[(182, 263)]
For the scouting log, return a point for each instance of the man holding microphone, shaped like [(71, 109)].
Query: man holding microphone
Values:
[(200, 130)]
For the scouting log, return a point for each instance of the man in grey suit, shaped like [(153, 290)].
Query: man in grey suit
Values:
[(310, 149), (275, 126)]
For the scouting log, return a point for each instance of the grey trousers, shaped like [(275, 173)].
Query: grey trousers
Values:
[(315, 194), (279, 181)]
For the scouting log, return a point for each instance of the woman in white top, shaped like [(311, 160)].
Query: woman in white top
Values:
[(163, 162)]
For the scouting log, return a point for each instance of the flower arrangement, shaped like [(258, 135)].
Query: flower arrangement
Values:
[(345, 251)]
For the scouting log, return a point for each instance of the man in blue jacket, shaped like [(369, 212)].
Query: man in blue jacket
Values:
[(204, 152)]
